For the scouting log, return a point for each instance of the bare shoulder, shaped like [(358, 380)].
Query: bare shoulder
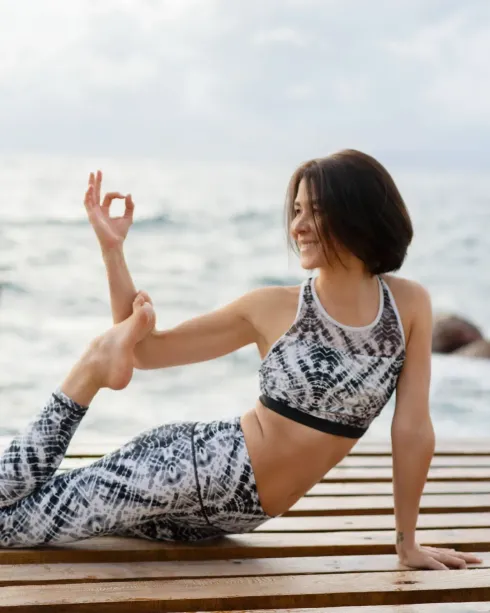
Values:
[(273, 297), (412, 300)]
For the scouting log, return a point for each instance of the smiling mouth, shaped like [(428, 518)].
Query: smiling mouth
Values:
[(305, 246)]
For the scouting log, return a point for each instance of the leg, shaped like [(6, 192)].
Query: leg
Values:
[(151, 477), (33, 457)]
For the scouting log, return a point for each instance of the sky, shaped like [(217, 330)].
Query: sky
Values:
[(246, 80)]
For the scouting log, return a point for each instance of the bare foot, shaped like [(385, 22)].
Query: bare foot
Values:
[(108, 362), (112, 353)]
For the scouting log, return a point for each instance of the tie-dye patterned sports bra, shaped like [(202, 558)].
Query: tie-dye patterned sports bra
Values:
[(329, 376)]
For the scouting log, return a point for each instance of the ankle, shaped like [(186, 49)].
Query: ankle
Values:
[(84, 380)]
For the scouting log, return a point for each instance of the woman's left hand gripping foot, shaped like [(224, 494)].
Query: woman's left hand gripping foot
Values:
[(108, 361)]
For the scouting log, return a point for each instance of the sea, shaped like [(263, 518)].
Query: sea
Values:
[(204, 234)]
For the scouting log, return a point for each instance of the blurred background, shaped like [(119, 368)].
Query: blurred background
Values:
[(202, 109)]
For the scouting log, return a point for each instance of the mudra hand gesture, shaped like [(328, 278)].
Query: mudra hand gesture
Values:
[(110, 231)]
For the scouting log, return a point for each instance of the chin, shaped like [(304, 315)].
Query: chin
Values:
[(309, 263)]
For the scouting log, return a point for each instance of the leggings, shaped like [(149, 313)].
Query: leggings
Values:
[(184, 481)]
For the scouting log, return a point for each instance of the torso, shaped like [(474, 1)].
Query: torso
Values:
[(289, 458)]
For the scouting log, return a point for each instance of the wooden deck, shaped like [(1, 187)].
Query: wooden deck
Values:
[(333, 551)]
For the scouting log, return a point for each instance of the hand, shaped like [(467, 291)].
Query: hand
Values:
[(111, 231), (435, 558), (146, 298)]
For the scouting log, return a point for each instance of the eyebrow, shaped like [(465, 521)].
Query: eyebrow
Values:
[(312, 202)]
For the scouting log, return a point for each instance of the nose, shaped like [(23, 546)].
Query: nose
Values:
[(300, 223)]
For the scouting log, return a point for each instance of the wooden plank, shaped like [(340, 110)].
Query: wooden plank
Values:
[(248, 592), (445, 446), (37, 574), (385, 474), (358, 461), (374, 488), (433, 607), (373, 522), (254, 545), (354, 505)]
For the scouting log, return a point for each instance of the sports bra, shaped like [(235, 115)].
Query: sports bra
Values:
[(329, 376)]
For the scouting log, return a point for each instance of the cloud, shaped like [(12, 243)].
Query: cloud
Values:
[(284, 35), (243, 80)]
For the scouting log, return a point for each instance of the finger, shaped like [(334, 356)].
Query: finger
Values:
[(98, 184), (139, 300), (88, 200), (453, 562), (145, 296), (470, 558), (433, 564), (109, 197), (129, 210), (91, 179)]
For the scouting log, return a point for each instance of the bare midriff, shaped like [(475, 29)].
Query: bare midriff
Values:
[(287, 457)]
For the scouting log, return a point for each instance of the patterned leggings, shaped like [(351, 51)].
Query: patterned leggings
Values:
[(179, 482)]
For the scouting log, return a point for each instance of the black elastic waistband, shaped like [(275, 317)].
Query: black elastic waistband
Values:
[(318, 423)]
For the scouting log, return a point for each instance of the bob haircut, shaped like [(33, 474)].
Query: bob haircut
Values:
[(360, 208)]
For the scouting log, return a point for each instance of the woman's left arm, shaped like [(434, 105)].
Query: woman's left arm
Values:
[(413, 440)]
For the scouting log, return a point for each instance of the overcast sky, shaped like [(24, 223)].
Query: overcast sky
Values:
[(246, 80)]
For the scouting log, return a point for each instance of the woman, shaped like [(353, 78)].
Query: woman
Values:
[(333, 351)]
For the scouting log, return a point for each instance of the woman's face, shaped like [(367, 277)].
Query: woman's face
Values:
[(304, 231)]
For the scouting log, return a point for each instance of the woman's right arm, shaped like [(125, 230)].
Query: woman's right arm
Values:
[(197, 340), (111, 233)]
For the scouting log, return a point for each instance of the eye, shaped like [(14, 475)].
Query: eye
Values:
[(296, 211)]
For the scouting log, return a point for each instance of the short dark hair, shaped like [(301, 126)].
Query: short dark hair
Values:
[(360, 207)]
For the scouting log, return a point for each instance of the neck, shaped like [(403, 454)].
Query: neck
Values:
[(354, 277), (350, 296)]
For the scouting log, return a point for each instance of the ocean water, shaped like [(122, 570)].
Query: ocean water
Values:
[(203, 235)]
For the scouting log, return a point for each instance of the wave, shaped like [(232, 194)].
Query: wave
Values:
[(156, 220), (15, 288)]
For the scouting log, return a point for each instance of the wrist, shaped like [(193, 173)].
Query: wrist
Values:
[(113, 252), (405, 541)]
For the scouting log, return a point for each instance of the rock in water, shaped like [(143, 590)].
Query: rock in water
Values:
[(451, 332), (477, 349)]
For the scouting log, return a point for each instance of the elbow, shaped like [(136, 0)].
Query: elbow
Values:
[(410, 435), (412, 445)]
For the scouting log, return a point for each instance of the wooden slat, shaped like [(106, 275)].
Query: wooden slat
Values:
[(446, 446), (385, 474), (433, 607), (254, 545), (32, 574), (353, 505), (248, 592), (358, 461), (373, 522), (386, 488)]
